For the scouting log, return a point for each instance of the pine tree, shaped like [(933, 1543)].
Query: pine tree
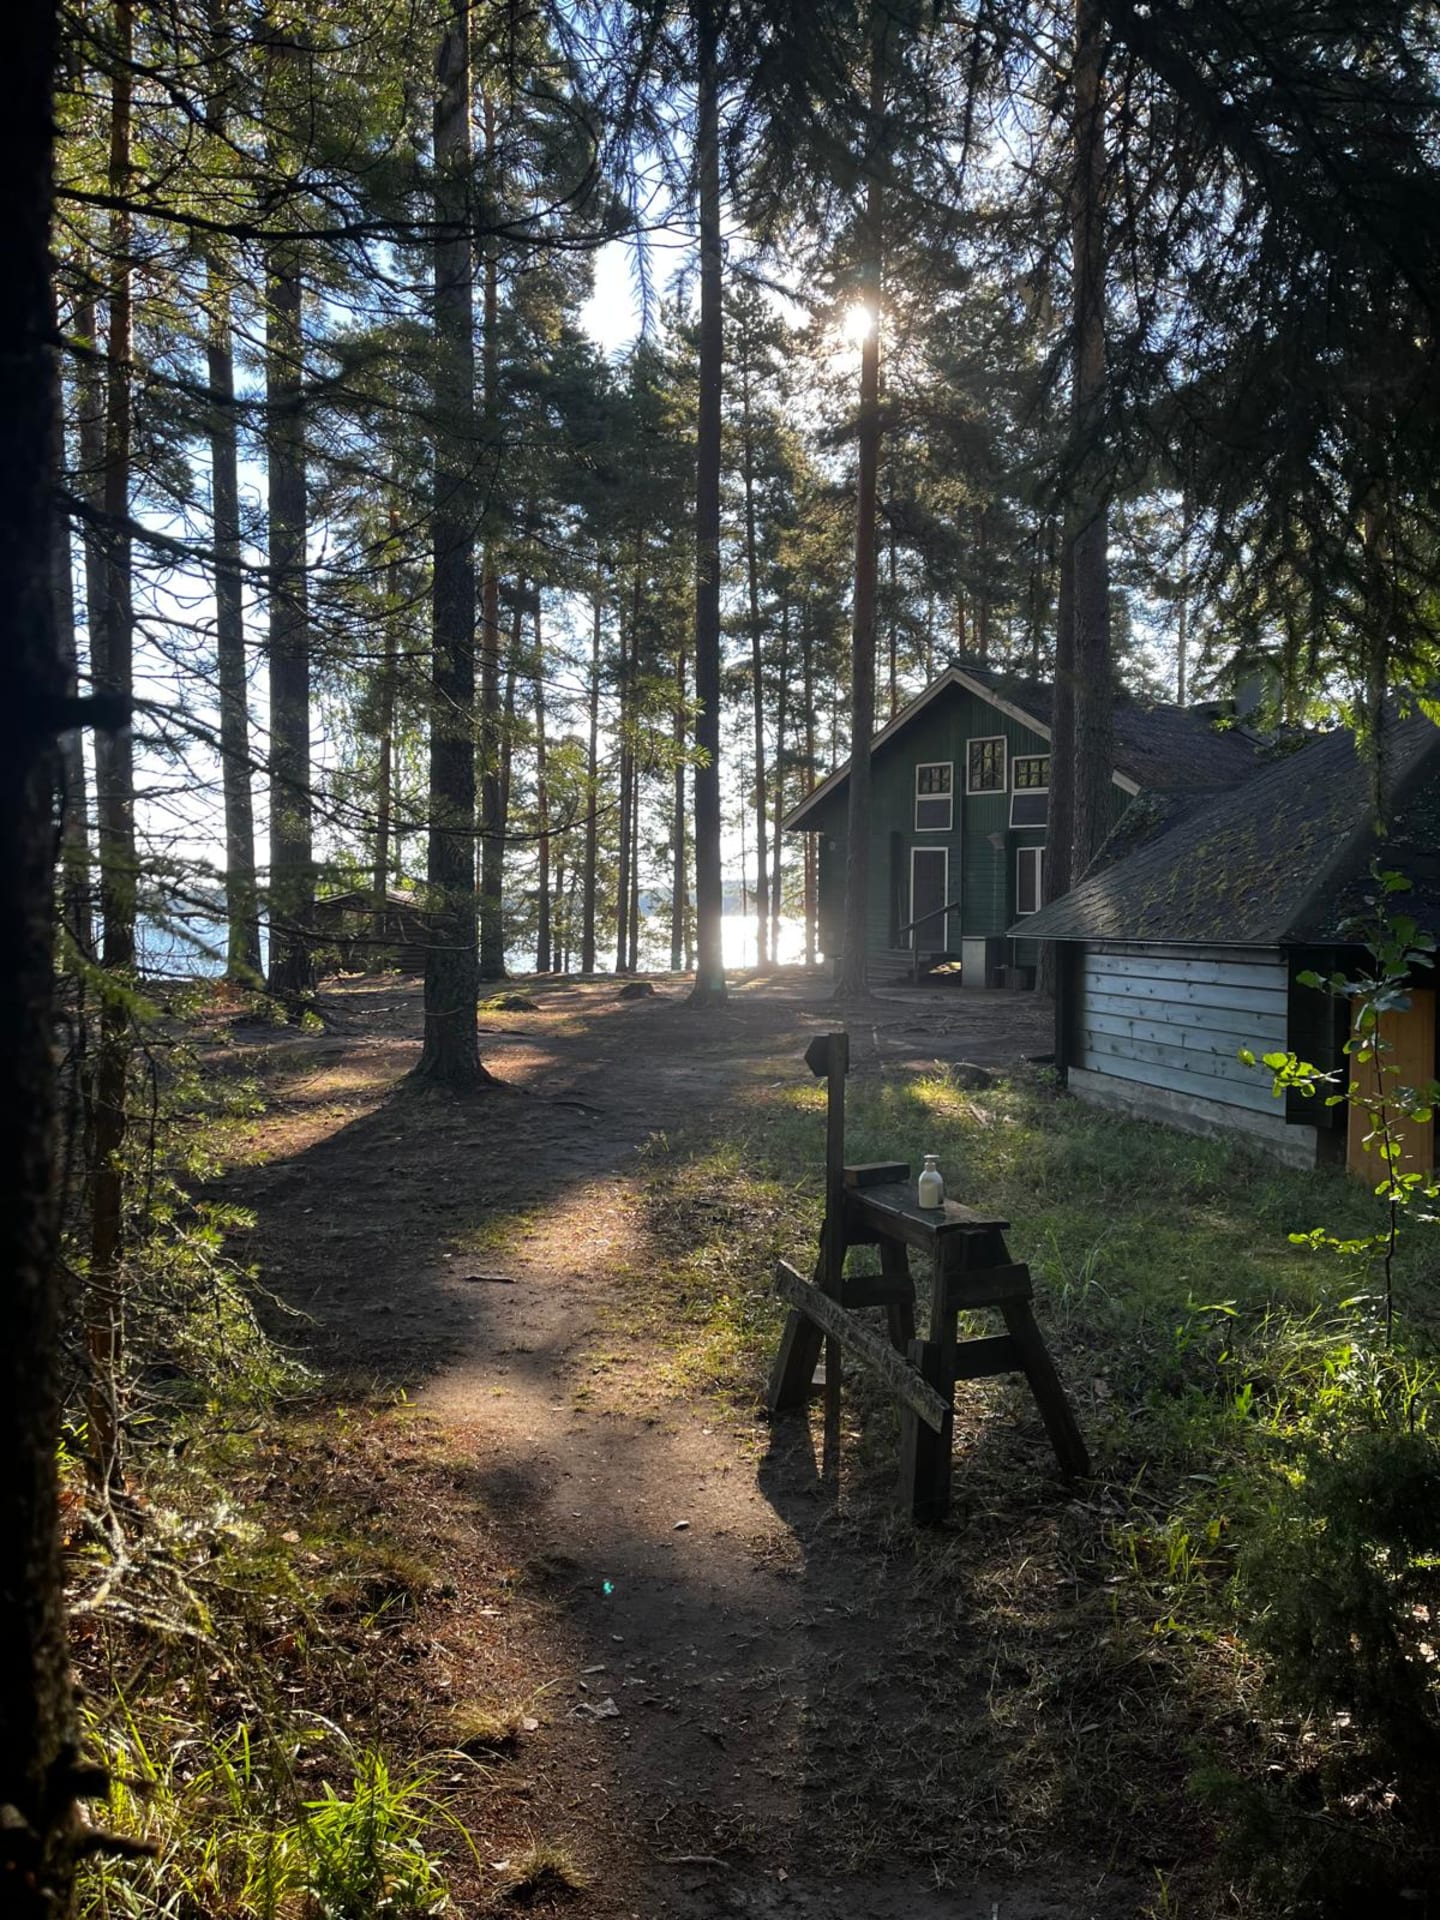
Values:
[(450, 1055), (38, 1766)]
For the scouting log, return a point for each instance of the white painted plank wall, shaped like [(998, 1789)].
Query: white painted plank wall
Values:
[(1176, 1018)]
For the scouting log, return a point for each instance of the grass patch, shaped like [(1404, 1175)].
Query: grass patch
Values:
[(229, 1663), (545, 1873), (480, 1728)]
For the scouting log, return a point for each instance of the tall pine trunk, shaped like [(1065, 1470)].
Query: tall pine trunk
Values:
[(1182, 635), (1090, 525), (506, 729), (74, 798), (385, 771), (633, 915), (678, 837), (113, 674), (90, 440), (782, 718), (242, 936), (493, 736), (853, 976), (292, 881), (812, 891), (709, 984), (450, 1055), (592, 787), (628, 629), (757, 686), (544, 956), (892, 625), (37, 1731), (242, 923)]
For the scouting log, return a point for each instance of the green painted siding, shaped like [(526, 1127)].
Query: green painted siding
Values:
[(981, 844)]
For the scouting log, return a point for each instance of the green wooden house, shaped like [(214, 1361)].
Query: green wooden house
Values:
[(961, 780)]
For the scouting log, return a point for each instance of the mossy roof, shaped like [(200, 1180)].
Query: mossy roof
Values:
[(1283, 859)]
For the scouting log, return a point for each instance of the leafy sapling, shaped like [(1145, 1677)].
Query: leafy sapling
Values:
[(1398, 948)]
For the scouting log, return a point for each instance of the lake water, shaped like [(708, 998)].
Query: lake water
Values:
[(197, 950)]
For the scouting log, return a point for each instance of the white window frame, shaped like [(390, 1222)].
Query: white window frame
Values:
[(939, 921), (1016, 792), (984, 740), (920, 766), (1021, 855), (1015, 760)]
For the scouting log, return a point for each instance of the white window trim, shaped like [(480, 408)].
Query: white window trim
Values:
[(984, 740), (939, 921), (1021, 854), (1023, 793), (949, 826), (1015, 760)]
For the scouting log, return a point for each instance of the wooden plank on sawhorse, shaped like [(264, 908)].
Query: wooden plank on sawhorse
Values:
[(793, 1372), (891, 1369)]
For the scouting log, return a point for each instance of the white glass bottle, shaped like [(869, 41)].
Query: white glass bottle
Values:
[(931, 1191)]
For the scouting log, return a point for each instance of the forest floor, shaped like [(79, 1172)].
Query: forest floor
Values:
[(686, 1667)]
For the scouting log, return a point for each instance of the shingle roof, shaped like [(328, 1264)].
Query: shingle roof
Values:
[(1282, 859), (1178, 748)]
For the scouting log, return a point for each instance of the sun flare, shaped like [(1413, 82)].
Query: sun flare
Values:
[(858, 324)]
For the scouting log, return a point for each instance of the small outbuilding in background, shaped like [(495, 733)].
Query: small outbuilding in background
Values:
[(396, 934)]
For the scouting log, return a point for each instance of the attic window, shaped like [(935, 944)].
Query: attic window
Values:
[(934, 800), (1029, 880), (1030, 790), (985, 765)]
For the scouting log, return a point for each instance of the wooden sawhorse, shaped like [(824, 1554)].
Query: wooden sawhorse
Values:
[(970, 1268)]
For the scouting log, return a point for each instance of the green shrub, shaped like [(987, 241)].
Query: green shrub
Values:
[(1342, 1581)]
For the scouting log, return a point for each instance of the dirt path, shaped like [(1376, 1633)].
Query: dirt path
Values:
[(699, 1660)]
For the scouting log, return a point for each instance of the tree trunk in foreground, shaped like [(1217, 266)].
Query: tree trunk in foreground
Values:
[(853, 978), (37, 1752), (450, 1056), (709, 987)]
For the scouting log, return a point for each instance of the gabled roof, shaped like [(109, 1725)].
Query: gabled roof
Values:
[(1179, 748), (364, 897), (1282, 860)]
